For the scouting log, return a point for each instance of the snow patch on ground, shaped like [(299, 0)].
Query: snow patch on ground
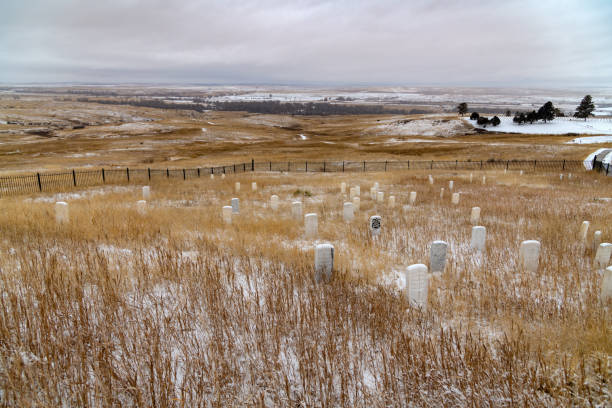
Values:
[(559, 126), (426, 127), (590, 140)]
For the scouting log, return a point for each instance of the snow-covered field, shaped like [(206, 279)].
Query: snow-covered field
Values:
[(591, 140), (425, 127), (559, 126)]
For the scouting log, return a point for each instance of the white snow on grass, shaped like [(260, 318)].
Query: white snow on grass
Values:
[(425, 127), (591, 139), (559, 126)]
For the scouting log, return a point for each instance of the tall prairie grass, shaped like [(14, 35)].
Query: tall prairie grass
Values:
[(174, 308)]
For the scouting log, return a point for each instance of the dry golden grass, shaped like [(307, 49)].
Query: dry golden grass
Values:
[(174, 308), (175, 138)]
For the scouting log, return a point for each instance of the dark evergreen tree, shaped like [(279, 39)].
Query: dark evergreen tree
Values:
[(586, 108), (462, 108), (531, 117), (483, 121), (546, 112), (495, 121), (508, 113), (474, 116)]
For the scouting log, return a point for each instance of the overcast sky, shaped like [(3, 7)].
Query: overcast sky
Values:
[(405, 42)]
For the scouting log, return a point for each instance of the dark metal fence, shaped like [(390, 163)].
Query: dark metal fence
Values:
[(54, 181)]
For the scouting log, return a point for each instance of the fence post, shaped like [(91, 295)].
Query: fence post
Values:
[(234, 169), (343, 166), (534, 164), (74, 177), (456, 162), (252, 164), (306, 166), (184, 175), (103, 176), (39, 184), (563, 165), (385, 165), (288, 166), (244, 167), (507, 162), (323, 166), (270, 166), (223, 169), (481, 165), (149, 173), (608, 169), (364, 166), (167, 173), (408, 163)]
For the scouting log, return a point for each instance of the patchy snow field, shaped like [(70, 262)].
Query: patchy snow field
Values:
[(425, 127), (559, 126), (591, 140)]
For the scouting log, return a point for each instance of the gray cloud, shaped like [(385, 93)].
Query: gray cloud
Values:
[(308, 41)]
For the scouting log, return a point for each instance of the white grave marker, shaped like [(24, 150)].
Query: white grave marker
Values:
[(584, 230), (380, 196), (455, 198), (373, 193), (596, 240), (296, 210), (521, 172), (141, 207), (237, 186), (431, 180), (61, 212), (413, 196), (437, 256), (392, 201), (311, 225), (253, 186), (146, 193), (561, 176), (352, 192), (484, 180), (450, 185), (357, 203), (324, 262), (223, 175), (529, 254), (375, 225), (274, 202), (471, 177), (376, 185), (606, 285), (417, 285), (602, 256), (348, 214), (479, 237), (235, 206), (212, 176), (343, 188), (475, 215), (227, 214), (442, 192)]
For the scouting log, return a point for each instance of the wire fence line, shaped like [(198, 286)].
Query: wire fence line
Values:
[(54, 181)]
